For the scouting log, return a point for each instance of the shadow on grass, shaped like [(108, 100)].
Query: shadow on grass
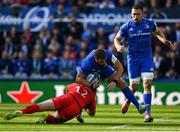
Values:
[(20, 123), (67, 123), (94, 124)]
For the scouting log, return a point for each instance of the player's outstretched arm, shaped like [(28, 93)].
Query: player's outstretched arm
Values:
[(91, 109), (161, 37), (119, 69)]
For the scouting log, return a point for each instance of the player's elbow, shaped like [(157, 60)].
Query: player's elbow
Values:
[(78, 78), (116, 40), (91, 113), (119, 67)]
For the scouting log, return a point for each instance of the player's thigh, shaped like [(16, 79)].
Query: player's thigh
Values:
[(69, 112), (134, 69), (134, 85), (107, 72), (62, 101), (147, 69), (46, 105), (147, 73), (134, 73)]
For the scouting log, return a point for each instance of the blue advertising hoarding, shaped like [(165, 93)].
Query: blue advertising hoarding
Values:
[(38, 17), (109, 18)]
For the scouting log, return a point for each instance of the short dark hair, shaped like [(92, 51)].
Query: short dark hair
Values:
[(138, 6), (100, 54)]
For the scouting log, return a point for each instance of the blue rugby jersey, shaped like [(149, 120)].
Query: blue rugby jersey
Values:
[(90, 66), (139, 37)]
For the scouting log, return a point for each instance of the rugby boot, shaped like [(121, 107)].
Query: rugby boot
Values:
[(11, 115), (148, 118)]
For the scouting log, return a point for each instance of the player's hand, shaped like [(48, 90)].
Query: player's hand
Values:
[(111, 85), (169, 43), (121, 49), (96, 85)]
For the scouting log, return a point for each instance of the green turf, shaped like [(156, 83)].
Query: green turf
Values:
[(107, 118)]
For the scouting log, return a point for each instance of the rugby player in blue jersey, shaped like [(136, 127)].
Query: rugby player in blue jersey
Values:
[(138, 33), (105, 64)]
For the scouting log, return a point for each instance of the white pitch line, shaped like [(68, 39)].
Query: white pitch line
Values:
[(161, 119), (121, 126), (127, 125)]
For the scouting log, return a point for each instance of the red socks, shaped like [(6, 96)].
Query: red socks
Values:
[(30, 109)]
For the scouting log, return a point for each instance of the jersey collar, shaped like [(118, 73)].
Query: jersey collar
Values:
[(138, 23)]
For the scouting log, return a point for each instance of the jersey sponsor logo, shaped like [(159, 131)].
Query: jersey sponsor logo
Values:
[(131, 29), (146, 26), (139, 34)]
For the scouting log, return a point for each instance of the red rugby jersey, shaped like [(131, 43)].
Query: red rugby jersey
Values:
[(83, 95)]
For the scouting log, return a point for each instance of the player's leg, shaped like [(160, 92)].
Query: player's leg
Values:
[(147, 77), (130, 96), (48, 118), (67, 109), (109, 74), (47, 105), (147, 97), (69, 112), (44, 106), (126, 104), (134, 79)]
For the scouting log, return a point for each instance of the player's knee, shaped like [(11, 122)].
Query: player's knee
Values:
[(52, 120), (133, 87), (121, 83), (147, 85)]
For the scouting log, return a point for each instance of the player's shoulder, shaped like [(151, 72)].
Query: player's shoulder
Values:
[(126, 24), (148, 20), (108, 53), (72, 85), (90, 55), (88, 59)]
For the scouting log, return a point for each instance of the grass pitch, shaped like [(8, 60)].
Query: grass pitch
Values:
[(107, 118)]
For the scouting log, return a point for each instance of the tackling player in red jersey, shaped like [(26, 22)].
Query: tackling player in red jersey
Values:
[(66, 107)]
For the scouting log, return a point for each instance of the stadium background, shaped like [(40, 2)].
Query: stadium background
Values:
[(43, 42)]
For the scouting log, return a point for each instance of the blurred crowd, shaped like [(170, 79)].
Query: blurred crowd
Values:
[(88, 5), (57, 54)]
